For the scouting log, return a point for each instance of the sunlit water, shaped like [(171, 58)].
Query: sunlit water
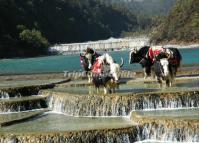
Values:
[(59, 122), (72, 62)]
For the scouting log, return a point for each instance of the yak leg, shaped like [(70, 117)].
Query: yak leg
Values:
[(145, 74), (105, 90), (97, 90), (113, 90), (89, 77), (159, 80), (89, 89), (168, 83), (147, 71), (152, 72)]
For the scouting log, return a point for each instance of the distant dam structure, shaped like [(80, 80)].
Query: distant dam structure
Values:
[(101, 45)]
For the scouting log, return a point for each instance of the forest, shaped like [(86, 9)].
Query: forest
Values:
[(28, 28), (148, 8), (181, 25)]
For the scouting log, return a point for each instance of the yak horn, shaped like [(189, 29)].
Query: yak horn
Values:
[(122, 62)]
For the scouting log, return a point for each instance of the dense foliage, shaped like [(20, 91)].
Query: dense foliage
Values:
[(182, 24), (148, 13), (149, 8), (26, 26)]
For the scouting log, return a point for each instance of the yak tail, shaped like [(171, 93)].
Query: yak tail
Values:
[(122, 62)]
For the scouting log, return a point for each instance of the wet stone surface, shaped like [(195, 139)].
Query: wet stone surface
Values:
[(10, 118), (51, 122), (22, 104), (138, 85), (78, 98), (178, 113)]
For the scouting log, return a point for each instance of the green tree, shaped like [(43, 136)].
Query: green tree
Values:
[(181, 25), (34, 42)]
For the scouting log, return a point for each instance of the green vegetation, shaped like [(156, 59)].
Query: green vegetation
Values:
[(182, 24), (149, 8), (28, 27)]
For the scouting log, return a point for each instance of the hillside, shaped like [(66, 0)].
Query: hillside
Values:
[(146, 7), (182, 24), (148, 13), (27, 27)]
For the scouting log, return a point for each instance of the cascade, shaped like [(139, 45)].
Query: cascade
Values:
[(161, 132), (4, 95), (69, 112), (180, 124), (112, 43), (117, 105)]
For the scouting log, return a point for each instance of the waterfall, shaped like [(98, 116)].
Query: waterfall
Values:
[(161, 132), (124, 135), (116, 105), (112, 43), (4, 95), (88, 106), (170, 100), (22, 104)]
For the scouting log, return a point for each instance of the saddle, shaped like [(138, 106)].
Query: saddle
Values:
[(97, 67), (172, 61)]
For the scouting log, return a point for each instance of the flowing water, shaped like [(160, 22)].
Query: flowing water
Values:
[(159, 115), (4, 95), (160, 131), (82, 100)]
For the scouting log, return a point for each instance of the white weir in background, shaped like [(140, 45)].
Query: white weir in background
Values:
[(111, 43)]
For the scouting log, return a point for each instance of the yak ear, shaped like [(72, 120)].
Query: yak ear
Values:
[(122, 62), (134, 50)]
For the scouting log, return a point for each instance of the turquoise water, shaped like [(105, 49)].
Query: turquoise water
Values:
[(60, 63)]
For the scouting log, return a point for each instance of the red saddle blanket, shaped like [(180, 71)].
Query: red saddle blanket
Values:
[(97, 67)]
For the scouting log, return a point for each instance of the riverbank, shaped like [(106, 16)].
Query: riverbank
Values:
[(181, 44), (101, 45)]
